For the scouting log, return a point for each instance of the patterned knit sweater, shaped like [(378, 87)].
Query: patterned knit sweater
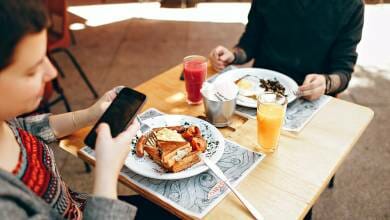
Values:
[(37, 168)]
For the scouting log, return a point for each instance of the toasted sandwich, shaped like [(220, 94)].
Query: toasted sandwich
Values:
[(173, 152)]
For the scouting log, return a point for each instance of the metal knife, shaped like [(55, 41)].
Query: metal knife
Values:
[(218, 172)]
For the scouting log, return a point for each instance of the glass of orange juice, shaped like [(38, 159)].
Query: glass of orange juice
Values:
[(271, 109)]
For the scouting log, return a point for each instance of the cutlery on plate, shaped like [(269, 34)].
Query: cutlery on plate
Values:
[(220, 97), (218, 172), (143, 127), (297, 93)]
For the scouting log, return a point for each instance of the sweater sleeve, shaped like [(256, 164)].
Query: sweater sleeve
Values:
[(250, 36), (102, 208), (343, 53), (38, 125), (10, 209)]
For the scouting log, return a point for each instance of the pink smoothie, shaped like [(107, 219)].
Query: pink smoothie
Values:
[(195, 72)]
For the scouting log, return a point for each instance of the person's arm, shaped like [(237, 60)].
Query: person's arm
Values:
[(67, 123), (51, 127), (104, 208), (9, 208), (343, 55), (342, 58), (245, 50), (96, 208), (110, 156), (37, 125)]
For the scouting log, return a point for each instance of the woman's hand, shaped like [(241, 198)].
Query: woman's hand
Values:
[(313, 87), (97, 109), (67, 123), (220, 57), (110, 156)]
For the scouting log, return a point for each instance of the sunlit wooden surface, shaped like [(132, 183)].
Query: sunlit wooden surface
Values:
[(287, 183)]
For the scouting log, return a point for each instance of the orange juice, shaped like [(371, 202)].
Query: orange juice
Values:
[(270, 118)]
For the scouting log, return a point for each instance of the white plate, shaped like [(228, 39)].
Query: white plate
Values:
[(235, 74), (146, 167)]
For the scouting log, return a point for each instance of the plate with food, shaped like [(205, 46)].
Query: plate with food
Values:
[(253, 81), (171, 148)]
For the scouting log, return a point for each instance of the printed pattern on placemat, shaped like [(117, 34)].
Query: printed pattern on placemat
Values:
[(301, 111), (298, 113), (197, 195)]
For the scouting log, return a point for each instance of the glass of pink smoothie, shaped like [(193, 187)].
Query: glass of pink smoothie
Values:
[(195, 73)]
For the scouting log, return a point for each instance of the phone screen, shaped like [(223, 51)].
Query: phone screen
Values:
[(119, 114)]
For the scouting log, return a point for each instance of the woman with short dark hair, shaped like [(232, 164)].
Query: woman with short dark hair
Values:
[(30, 184)]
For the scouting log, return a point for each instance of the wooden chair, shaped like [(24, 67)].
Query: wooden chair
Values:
[(60, 39), (50, 88)]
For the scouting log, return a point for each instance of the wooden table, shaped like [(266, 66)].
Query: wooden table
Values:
[(287, 183)]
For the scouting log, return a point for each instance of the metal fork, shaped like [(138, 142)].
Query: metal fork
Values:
[(220, 97), (297, 93), (143, 127), (150, 135), (151, 138)]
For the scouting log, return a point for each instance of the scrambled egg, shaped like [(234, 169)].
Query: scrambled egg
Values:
[(166, 134)]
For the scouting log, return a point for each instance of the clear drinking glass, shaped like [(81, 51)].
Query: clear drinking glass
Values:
[(271, 109)]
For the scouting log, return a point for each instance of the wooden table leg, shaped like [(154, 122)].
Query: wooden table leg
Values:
[(309, 214), (331, 182)]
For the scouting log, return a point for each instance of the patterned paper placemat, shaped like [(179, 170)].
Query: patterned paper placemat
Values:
[(298, 113), (196, 195)]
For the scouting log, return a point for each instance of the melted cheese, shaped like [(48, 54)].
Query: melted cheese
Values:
[(166, 134), (181, 153)]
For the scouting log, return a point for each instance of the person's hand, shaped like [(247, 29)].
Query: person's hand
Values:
[(110, 156), (97, 109), (313, 87), (111, 152), (220, 57)]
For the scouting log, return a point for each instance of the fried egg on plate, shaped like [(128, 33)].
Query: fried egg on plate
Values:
[(249, 86)]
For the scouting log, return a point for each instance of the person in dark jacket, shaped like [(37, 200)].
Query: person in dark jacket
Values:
[(312, 41)]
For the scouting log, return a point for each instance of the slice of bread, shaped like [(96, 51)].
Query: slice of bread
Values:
[(154, 154), (189, 160), (169, 148)]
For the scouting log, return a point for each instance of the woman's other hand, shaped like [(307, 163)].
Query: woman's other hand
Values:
[(110, 156)]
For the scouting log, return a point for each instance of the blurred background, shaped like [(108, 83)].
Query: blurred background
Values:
[(126, 42)]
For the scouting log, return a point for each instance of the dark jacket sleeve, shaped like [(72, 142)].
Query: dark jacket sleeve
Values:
[(103, 208), (251, 35), (343, 54)]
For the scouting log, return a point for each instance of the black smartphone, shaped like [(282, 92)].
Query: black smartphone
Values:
[(119, 114)]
